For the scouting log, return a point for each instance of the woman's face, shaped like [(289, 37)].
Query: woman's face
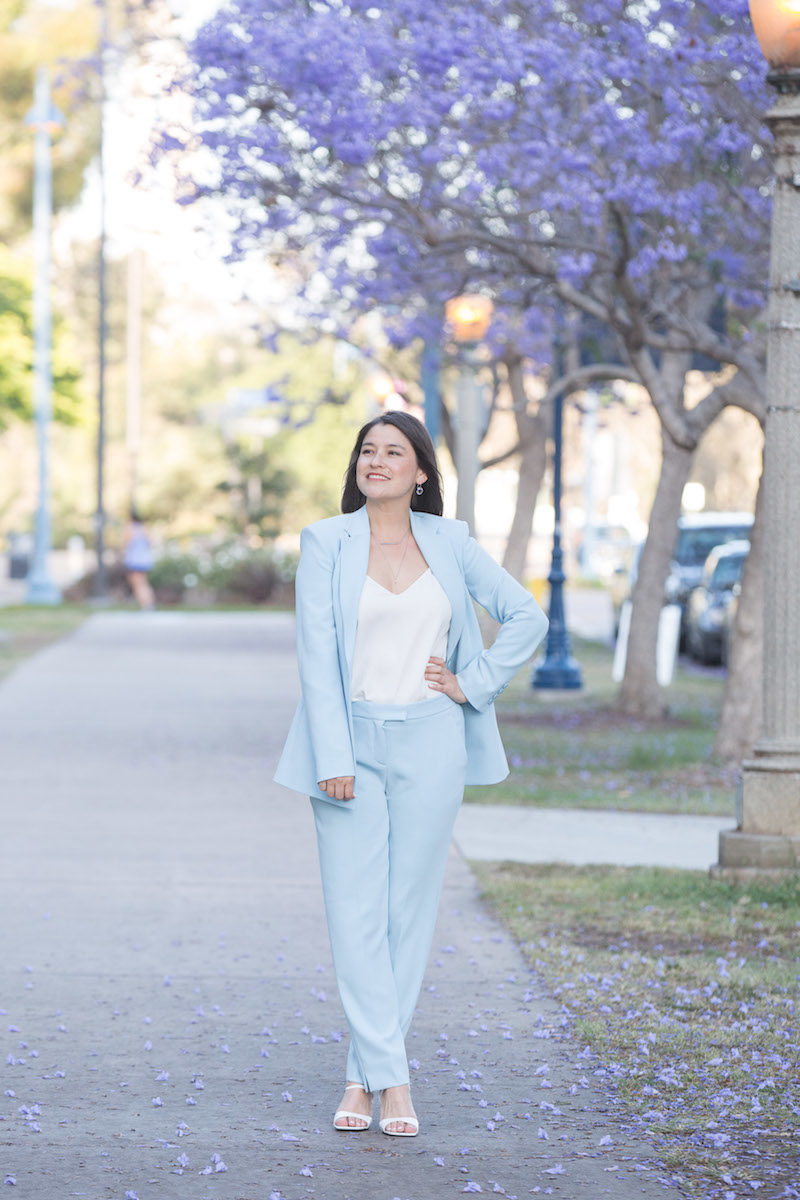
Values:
[(387, 467)]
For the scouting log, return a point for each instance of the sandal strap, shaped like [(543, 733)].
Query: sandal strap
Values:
[(386, 1121), (343, 1112)]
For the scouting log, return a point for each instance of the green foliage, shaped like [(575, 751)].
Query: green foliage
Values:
[(319, 409), (318, 454), (256, 472), (16, 352), (9, 11), (33, 34), (256, 485)]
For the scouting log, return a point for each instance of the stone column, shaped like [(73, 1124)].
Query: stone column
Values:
[(768, 837)]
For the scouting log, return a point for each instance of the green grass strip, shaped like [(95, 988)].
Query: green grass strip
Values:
[(25, 630), (685, 989)]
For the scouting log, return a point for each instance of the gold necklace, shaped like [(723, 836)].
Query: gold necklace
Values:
[(394, 575)]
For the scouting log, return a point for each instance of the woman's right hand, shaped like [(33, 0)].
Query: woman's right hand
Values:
[(340, 788)]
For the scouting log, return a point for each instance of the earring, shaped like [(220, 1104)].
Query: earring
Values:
[(419, 489)]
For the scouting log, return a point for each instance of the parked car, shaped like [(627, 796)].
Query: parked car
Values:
[(697, 535), (706, 611)]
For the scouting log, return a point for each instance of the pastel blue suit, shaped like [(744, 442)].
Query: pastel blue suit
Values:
[(382, 854), (333, 566)]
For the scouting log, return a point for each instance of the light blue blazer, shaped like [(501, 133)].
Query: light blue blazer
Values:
[(333, 566)]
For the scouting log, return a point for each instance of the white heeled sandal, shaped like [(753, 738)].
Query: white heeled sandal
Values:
[(343, 1112), (386, 1121)]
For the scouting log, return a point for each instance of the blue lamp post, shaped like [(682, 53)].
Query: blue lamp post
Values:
[(99, 588), (558, 670), (429, 373), (43, 118)]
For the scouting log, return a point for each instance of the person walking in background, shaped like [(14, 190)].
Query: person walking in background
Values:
[(137, 559), (397, 713)]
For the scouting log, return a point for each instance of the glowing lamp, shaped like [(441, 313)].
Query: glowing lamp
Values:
[(777, 27), (382, 387), (469, 317)]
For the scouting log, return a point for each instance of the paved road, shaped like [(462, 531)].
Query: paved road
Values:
[(169, 1025)]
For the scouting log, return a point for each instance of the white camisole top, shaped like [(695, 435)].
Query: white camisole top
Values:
[(397, 633)]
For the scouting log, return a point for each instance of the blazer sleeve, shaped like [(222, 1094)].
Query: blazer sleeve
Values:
[(318, 660), (522, 626)]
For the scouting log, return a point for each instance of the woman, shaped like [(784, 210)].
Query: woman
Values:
[(396, 715), (138, 561)]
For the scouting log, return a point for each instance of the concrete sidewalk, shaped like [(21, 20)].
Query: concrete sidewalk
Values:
[(169, 1023), (581, 837)]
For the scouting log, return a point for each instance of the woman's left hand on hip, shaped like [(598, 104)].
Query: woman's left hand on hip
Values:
[(440, 679)]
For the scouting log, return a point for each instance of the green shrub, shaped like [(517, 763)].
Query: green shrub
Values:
[(173, 575), (230, 574)]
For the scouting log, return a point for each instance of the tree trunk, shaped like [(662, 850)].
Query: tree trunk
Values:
[(639, 693), (532, 430), (532, 465), (740, 719)]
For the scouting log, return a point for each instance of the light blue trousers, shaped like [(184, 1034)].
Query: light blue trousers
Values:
[(382, 858)]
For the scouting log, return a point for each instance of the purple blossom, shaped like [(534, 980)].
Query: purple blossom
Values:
[(678, 115)]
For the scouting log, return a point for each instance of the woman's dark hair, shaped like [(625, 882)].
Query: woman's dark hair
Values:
[(431, 499)]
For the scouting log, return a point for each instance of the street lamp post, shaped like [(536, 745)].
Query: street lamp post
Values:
[(430, 389), (558, 670), (43, 118), (768, 836), (100, 586), (469, 318)]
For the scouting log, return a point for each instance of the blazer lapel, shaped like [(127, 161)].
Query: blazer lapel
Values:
[(352, 568), (438, 553)]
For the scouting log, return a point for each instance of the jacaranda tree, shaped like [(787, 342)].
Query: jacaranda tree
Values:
[(594, 158)]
